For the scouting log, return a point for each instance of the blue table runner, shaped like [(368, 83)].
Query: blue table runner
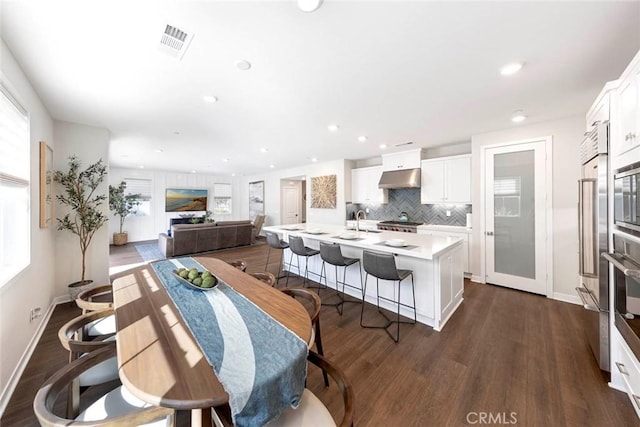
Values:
[(261, 364)]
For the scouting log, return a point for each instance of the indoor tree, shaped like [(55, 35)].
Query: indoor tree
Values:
[(122, 205), (80, 194)]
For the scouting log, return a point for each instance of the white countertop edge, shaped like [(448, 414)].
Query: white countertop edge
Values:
[(428, 247)]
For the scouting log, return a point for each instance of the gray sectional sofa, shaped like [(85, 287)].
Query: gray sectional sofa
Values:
[(189, 239)]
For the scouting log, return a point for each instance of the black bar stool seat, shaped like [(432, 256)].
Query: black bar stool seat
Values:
[(297, 247), (383, 266), (331, 253), (274, 242)]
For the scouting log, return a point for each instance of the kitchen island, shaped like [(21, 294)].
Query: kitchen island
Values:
[(436, 262)]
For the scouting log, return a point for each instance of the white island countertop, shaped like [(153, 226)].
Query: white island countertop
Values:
[(418, 245)]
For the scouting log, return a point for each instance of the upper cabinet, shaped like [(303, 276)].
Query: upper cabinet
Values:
[(403, 160), (446, 180), (625, 120), (364, 186)]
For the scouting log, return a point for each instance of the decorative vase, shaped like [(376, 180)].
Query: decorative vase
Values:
[(120, 239), (76, 287)]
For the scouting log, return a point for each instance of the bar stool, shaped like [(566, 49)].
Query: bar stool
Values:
[(383, 266), (332, 254), (296, 244), (274, 242)]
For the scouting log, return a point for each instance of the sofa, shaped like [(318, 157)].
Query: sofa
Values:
[(189, 239)]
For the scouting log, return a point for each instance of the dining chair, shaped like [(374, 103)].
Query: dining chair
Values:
[(312, 303), (311, 411), (240, 264), (297, 247), (331, 254), (265, 277), (113, 406), (96, 298), (383, 266), (73, 338), (274, 242)]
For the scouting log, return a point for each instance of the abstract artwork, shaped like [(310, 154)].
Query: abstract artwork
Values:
[(323, 192)]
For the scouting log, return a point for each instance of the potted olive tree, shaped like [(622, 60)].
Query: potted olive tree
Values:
[(80, 195), (122, 205)]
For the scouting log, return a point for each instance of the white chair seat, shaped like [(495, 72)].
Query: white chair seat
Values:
[(310, 413), (101, 373), (118, 402), (103, 326)]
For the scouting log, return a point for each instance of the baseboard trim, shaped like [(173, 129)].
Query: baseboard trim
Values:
[(477, 279), (7, 392), (573, 299)]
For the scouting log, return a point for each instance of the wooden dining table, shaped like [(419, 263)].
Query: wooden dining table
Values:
[(159, 359)]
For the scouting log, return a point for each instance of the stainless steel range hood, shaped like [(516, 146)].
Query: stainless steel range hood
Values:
[(402, 178)]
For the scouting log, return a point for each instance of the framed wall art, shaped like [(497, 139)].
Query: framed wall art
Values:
[(256, 199), (46, 185), (323, 192)]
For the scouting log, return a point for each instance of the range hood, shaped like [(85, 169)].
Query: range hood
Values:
[(402, 178)]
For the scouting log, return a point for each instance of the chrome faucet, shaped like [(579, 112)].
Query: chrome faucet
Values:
[(364, 218)]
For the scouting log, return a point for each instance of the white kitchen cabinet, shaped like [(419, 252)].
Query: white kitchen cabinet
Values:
[(403, 160), (364, 186), (446, 180), (625, 370), (600, 110), (625, 122), (465, 235)]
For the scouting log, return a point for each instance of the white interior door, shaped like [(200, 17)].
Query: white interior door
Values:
[(516, 216), (290, 205)]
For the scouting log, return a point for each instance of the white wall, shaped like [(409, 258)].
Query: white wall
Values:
[(89, 144), (148, 227), (35, 286), (567, 134), (272, 179)]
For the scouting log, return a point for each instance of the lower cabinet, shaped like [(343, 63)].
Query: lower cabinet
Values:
[(625, 369), (451, 282), (465, 244)]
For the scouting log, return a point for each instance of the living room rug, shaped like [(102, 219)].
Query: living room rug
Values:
[(149, 251)]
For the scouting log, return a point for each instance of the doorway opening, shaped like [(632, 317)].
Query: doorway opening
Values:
[(293, 196)]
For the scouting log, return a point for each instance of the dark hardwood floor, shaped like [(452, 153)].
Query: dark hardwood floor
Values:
[(519, 358)]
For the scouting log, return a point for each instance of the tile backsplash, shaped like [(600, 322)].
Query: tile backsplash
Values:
[(408, 200)]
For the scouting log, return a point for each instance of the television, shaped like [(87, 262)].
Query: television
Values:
[(185, 200)]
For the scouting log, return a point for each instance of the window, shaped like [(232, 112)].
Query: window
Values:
[(15, 171), (143, 187), (506, 196), (221, 199)]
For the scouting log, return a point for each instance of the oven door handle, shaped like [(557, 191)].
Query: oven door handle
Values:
[(581, 291), (627, 268)]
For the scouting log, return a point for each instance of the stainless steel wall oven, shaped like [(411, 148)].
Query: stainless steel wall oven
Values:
[(626, 199), (626, 262)]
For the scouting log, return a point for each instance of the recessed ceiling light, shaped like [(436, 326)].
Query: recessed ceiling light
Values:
[(333, 128), (313, 159), (383, 146), (264, 150), (362, 138), (233, 174), (272, 166), (141, 166), (309, 5), (225, 160), (193, 171), (518, 116), (159, 150), (511, 69), (243, 65), (210, 98)]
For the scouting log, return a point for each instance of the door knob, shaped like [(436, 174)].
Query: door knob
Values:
[(489, 233)]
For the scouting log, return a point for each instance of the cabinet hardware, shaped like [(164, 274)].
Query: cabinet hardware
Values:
[(622, 369)]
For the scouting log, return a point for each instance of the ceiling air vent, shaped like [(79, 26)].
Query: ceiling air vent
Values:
[(174, 41), (404, 143)]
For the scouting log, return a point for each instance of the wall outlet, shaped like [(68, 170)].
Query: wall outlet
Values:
[(448, 213), (366, 210), (34, 314)]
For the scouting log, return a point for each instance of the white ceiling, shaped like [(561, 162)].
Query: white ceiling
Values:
[(394, 71)]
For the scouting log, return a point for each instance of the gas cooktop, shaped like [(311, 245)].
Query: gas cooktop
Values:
[(415, 224)]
